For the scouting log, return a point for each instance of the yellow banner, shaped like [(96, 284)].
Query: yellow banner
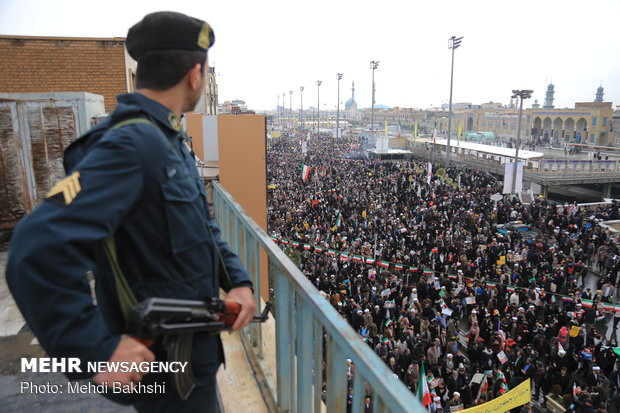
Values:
[(516, 397)]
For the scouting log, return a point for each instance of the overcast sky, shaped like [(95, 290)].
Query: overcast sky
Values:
[(264, 48)]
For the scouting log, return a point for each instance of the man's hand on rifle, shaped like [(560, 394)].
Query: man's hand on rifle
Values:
[(128, 350), (245, 297)]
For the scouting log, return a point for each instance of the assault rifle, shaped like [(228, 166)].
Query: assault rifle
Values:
[(175, 322)]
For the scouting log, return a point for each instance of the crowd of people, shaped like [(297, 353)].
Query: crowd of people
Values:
[(422, 268)]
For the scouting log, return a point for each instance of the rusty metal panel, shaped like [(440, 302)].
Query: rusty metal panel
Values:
[(33, 137), (14, 199), (52, 129)]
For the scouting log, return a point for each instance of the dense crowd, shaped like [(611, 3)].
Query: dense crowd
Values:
[(420, 267)]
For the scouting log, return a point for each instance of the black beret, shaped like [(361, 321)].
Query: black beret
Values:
[(168, 30)]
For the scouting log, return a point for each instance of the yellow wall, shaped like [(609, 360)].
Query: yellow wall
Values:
[(243, 170), (194, 130)]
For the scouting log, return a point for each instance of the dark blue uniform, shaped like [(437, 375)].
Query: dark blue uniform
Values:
[(138, 183)]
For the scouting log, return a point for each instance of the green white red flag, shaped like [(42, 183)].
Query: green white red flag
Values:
[(424, 394)]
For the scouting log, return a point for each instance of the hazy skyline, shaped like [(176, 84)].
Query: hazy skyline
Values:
[(264, 49)]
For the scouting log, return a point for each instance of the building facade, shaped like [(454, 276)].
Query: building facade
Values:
[(65, 64), (586, 123)]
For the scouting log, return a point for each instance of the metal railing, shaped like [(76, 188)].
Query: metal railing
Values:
[(312, 338)]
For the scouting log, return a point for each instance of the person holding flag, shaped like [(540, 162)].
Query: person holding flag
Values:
[(424, 394)]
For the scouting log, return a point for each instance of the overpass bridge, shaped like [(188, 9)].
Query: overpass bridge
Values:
[(547, 173)]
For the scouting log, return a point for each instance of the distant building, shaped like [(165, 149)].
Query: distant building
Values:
[(588, 122), (351, 105), (234, 107), (599, 94), (208, 104), (614, 129), (549, 97)]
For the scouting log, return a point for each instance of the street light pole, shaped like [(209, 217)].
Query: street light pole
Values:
[(301, 108), (521, 94), (278, 109), (338, 76), (453, 43), (373, 66), (290, 102), (318, 105)]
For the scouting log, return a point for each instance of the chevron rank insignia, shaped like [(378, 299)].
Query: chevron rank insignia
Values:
[(65, 191)]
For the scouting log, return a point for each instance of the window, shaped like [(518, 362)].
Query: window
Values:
[(594, 121), (604, 122), (592, 138)]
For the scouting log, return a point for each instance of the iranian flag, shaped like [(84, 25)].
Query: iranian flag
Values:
[(413, 269), (357, 258), (587, 303), (424, 394), (370, 260), (398, 266), (338, 219), (305, 172), (383, 264), (428, 272), (306, 246), (331, 252), (503, 386), (318, 249)]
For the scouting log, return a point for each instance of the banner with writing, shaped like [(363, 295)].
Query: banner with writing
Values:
[(514, 398)]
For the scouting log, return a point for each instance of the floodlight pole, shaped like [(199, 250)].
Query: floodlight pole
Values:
[(453, 43), (521, 94)]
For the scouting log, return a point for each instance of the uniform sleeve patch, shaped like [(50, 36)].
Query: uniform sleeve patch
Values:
[(65, 191)]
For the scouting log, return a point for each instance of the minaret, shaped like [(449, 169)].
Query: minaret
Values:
[(353, 90), (599, 94), (549, 97), (535, 105)]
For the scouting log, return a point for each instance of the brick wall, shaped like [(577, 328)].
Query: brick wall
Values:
[(47, 64)]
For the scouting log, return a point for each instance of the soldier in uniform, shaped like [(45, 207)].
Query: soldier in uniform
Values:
[(131, 180)]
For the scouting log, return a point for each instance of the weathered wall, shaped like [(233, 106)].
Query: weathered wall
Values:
[(54, 64)]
